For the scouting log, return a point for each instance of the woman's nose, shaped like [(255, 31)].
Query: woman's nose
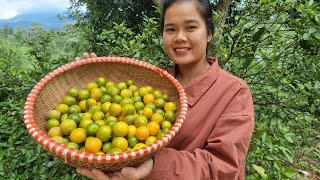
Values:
[(180, 36)]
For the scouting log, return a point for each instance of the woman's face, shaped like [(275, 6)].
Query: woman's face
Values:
[(185, 34)]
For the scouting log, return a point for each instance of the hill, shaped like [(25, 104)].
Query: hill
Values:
[(48, 20)]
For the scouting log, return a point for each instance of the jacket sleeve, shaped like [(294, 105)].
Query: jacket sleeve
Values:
[(223, 156)]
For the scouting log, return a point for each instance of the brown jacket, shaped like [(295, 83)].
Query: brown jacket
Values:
[(214, 138)]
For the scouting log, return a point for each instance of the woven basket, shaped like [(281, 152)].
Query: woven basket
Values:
[(51, 89)]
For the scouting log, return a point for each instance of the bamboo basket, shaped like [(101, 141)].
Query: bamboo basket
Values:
[(51, 89)]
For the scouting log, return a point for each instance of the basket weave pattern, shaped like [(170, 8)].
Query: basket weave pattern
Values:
[(51, 89)]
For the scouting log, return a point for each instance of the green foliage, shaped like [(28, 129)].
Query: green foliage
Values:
[(273, 45), (26, 56)]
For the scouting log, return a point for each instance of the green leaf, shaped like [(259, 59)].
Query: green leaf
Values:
[(289, 172), (260, 170), (256, 37), (287, 153), (306, 36), (288, 137), (317, 35)]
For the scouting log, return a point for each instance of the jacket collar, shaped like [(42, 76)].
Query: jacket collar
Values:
[(197, 88)]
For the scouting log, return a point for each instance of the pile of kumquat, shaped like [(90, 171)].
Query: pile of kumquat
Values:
[(106, 117)]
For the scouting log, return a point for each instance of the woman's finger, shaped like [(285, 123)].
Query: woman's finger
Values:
[(99, 175), (93, 55), (85, 55), (86, 172)]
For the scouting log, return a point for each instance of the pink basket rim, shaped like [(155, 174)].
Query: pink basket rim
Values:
[(67, 153)]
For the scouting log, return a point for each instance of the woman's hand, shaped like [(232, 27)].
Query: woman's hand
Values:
[(127, 173), (86, 55)]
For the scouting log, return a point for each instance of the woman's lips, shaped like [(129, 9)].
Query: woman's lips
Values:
[(181, 50)]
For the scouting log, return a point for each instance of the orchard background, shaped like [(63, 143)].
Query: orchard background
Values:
[(272, 45)]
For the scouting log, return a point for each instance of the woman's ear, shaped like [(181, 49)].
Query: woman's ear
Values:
[(209, 37)]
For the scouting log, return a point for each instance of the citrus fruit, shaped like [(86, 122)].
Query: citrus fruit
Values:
[(78, 135), (55, 131), (101, 81), (136, 99), (105, 107), (84, 123), (94, 108), (148, 98), (73, 145), (150, 140), (113, 91), (106, 147), (114, 151), (120, 142), (105, 98), (139, 105), (116, 99), (129, 82), (104, 90), (52, 123), (166, 124), (92, 129), (133, 88), (109, 84), (159, 103), (69, 100), (83, 105), (147, 112), (154, 128), (122, 85), (160, 111), (96, 93), (125, 101), (59, 139), (129, 119), (160, 134), (104, 133), (152, 106), (91, 85), (143, 91), (128, 109), (90, 102), (86, 115), (126, 93), (93, 144), (75, 117), (100, 122), (110, 123), (83, 149), (73, 110), (131, 130), (170, 116), (63, 117), (120, 129), (98, 115), (157, 93), (142, 133), (140, 120), (84, 94), (158, 118), (170, 106), (74, 92), (132, 141), (67, 126), (62, 108), (54, 114), (165, 97), (138, 146), (115, 109)]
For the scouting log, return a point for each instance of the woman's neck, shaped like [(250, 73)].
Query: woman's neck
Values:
[(188, 73)]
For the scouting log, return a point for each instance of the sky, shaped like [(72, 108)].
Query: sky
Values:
[(11, 8)]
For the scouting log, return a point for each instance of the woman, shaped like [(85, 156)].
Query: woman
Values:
[(214, 139)]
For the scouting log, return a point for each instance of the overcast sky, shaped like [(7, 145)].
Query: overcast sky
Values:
[(11, 8)]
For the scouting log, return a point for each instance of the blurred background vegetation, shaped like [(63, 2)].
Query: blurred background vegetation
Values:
[(272, 45)]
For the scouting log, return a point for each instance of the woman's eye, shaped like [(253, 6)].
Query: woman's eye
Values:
[(191, 28), (169, 30)]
